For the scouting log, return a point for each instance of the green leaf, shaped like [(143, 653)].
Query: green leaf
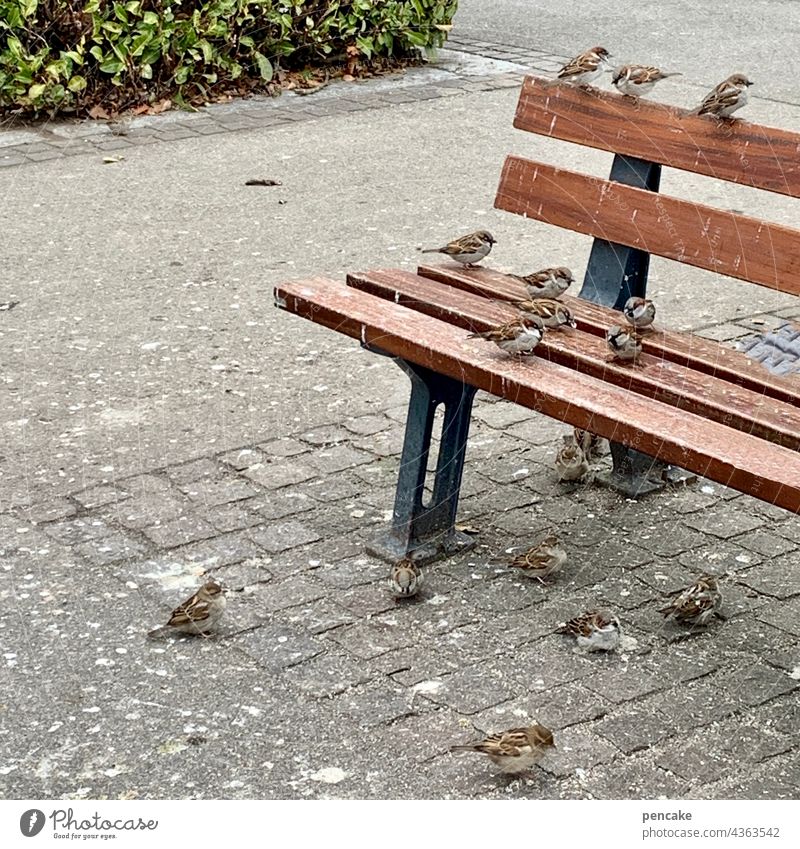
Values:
[(146, 72), (264, 66), (150, 18), (97, 52), (77, 83), (111, 66), (36, 91)]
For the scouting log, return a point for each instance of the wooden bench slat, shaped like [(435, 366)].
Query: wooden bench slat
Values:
[(724, 242), (652, 377), (741, 152), (733, 458), (683, 348)]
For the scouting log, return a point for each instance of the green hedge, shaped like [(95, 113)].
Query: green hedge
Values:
[(66, 55)]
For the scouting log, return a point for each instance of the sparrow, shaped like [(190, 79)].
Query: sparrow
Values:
[(639, 312), (636, 80), (515, 750), (571, 463), (405, 578), (552, 313), (594, 631), (697, 604), (197, 614), (519, 336), (584, 68), (726, 98), (623, 345), (468, 250), (541, 560), (592, 445), (547, 283)]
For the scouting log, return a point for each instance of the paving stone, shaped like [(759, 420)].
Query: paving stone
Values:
[(755, 682), (556, 709), (110, 548), (377, 703), (299, 589), (277, 646), (724, 524), (671, 540), (778, 577), (338, 458), (230, 517), (318, 616), (99, 496), (240, 575), (215, 491), (281, 536), (180, 531), (49, 511), (415, 664), (634, 730), (367, 425), (719, 558), (578, 747), (74, 531), (326, 435), (767, 543), (634, 779), (329, 674), (154, 508), (697, 703), (367, 600), (367, 640), (278, 473), (284, 447), (195, 470), (472, 689), (278, 505), (783, 615), (242, 458), (140, 485)]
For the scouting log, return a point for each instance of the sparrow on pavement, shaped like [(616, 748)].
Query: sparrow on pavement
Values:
[(584, 69), (197, 615), (405, 578), (623, 344), (552, 312), (468, 250), (726, 98), (595, 631), (547, 283), (636, 80), (697, 604), (571, 463), (639, 312), (542, 559), (518, 337), (592, 445), (515, 750)]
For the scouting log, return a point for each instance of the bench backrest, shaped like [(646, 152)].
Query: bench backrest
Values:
[(646, 135)]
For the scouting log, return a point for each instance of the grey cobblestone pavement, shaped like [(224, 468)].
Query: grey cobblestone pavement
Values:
[(256, 455)]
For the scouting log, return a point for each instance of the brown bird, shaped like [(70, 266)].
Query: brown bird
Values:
[(585, 68), (515, 750), (595, 631), (636, 80), (197, 615), (723, 100), (542, 559), (697, 604), (552, 312), (519, 336), (468, 250)]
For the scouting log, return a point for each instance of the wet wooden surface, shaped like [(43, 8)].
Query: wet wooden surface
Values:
[(651, 376), (726, 455), (684, 349), (723, 242), (738, 151)]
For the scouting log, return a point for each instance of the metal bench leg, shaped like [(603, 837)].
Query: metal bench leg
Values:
[(428, 530), (614, 274)]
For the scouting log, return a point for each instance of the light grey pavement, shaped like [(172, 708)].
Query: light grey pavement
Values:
[(707, 41), (162, 420)]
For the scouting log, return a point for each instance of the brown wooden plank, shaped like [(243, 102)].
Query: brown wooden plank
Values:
[(684, 349), (724, 242), (741, 152), (735, 459), (652, 377)]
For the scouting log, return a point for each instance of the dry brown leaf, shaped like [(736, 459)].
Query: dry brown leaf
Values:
[(98, 113)]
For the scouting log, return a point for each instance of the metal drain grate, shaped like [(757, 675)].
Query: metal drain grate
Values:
[(778, 350)]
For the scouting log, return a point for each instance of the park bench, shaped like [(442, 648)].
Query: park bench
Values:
[(687, 404)]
